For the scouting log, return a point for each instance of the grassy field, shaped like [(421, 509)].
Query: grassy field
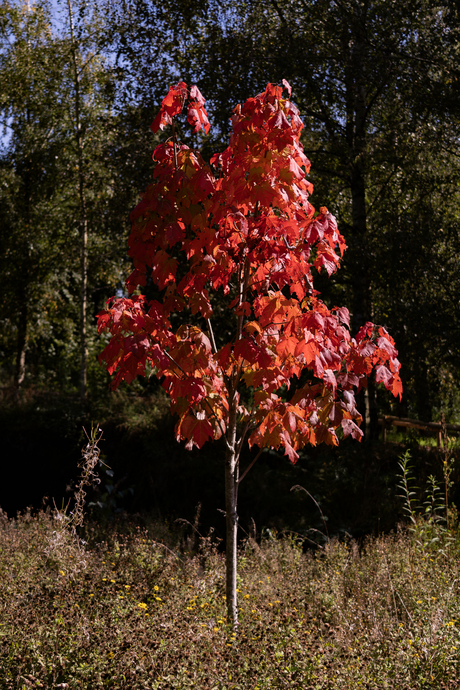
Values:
[(141, 610)]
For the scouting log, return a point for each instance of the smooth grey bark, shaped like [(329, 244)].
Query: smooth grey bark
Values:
[(231, 516), (232, 456)]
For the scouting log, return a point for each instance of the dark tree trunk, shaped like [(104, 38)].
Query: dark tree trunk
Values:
[(422, 391), (23, 310), (359, 259), (20, 369), (83, 294), (83, 214)]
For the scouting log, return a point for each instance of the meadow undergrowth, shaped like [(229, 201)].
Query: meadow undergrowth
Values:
[(148, 615)]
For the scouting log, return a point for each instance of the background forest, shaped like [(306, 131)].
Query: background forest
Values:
[(377, 85)]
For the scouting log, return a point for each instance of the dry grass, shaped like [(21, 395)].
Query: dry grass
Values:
[(136, 614)]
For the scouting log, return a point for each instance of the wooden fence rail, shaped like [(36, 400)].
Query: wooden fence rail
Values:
[(387, 421)]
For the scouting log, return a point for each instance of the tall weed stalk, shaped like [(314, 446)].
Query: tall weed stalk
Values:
[(65, 546), (428, 522)]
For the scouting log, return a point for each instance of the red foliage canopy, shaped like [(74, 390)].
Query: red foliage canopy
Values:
[(244, 230)]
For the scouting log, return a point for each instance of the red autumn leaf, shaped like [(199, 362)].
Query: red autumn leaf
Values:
[(287, 86), (175, 232), (309, 350), (197, 117), (170, 107), (195, 94), (205, 181), (196, 429), (287, 347), (252, 353), (164, 269), (162, 119), (296, 170), (288, 449), (343, 314), (383, 375), (351, 429), (397, 388), (199, 303), (202, 432)]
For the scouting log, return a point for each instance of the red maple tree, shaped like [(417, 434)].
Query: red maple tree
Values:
[(241, 231)]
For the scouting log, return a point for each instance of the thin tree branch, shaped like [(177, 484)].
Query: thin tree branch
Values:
[(174, 361), (296, 488), (211, 334), (243, 434), (174, 138), (250, 465)]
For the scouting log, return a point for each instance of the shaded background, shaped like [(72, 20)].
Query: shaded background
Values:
[(377, 87)]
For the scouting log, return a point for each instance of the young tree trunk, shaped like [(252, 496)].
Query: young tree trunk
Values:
[(231, 499)]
